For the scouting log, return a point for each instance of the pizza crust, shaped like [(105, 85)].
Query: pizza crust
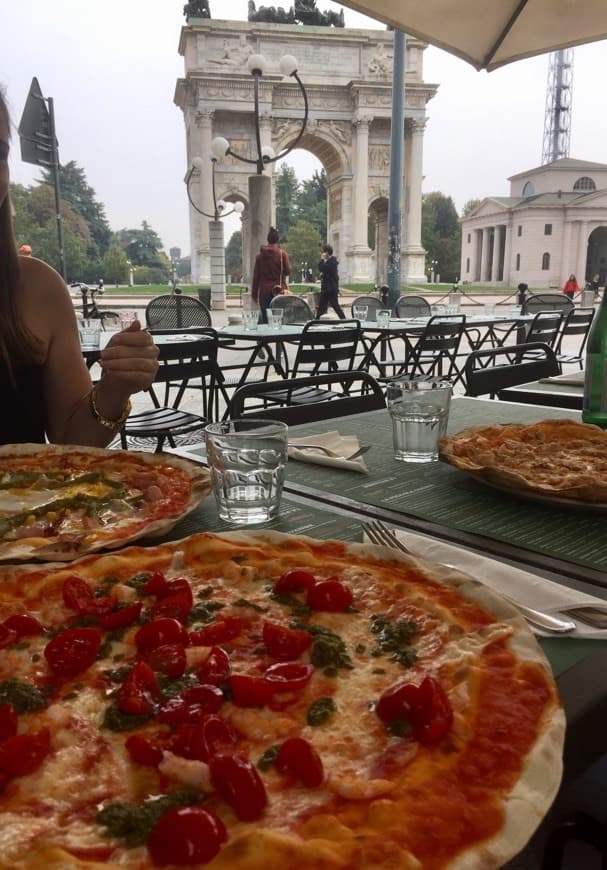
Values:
[(489, 454), (37, 548)]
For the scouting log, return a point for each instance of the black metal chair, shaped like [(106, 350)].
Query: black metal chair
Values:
[(488, 371), (545, 327), (174, 311), (546, 302), (294, 309), (182, 364), (435, 353), (373, 304), (576, 322), (412, 306), (332, 395), (325, 344)]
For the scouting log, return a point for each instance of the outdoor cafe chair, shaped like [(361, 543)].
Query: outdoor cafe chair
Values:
[(412, 306), (181, 365), (174, 311), (576, 322), (545, 327), (323, 344), (373, 303), (489, 371), (435, 352), (546, 302), (306, 400), (294, 309)]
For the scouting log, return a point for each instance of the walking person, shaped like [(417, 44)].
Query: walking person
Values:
[(571, 287), (272, 268), (329, 284)]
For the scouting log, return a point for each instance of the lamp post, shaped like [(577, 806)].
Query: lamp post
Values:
[(260, 185), (433, 268), (216, 238)]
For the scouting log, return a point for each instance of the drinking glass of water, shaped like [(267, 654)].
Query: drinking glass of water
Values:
[(419, 411), (382, 317), (274, 319), (247, 459), (250, 320), (360, 312)]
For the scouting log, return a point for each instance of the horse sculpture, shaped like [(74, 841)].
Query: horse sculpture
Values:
[(304, 12)]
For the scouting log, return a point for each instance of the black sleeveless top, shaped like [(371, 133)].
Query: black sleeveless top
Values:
[(23, 416)]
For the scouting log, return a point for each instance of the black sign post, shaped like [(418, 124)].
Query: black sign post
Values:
[(39, 146)]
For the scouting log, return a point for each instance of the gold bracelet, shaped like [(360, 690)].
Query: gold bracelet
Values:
[(104, 421)]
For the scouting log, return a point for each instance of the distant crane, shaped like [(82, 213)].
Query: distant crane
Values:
[(557, 117)]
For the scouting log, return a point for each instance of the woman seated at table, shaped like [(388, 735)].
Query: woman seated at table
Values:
[(571, 287), (45, 387)]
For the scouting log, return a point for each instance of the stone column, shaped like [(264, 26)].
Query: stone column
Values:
[(260, 209), (204, 195), (359, 252), (414, 255), (496, 254), (218, 265), (508, 256), (485, 254), (582, 253), (567, 259)]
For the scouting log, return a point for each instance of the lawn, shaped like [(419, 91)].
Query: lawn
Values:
[(236, 289)]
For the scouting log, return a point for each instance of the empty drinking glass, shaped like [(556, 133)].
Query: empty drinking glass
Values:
[(127, 318), (89, 332), (382, 316), (275, 319), (250, 319), (247, 459), (360, 312), (419, 411)]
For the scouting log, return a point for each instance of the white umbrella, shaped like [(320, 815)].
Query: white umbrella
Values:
[(491, 33)]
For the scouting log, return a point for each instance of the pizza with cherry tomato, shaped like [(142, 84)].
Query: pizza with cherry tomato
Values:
[(264, 701), (60, 502)]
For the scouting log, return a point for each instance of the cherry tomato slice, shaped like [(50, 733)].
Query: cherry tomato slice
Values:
[(216, 669), (121, 618), (203, 740), (80, 597), (8, 722), (299, 759), (139, 690), (158, 632), (285, 643), (251, 691), (7, 636), (24, 625), (191, 705), (180, 586), (143, 750), (173, 606), (168, 659), (218, 632), (24, 753), (73, 651), (238, 783), (399, 701), (330, 596), (155, 585), (436, 716), (288, 676), (186, 835), (295, 580)]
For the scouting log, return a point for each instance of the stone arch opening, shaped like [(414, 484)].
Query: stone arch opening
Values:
[(596, 256)]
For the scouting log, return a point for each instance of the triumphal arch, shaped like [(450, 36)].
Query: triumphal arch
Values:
[(347, 74)]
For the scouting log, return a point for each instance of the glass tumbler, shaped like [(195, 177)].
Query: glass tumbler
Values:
[(419, 410)]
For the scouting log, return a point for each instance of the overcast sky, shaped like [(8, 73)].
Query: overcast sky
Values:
[(111, 67)]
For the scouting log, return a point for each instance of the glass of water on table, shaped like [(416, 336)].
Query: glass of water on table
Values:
[(247, 459), (419, 410)]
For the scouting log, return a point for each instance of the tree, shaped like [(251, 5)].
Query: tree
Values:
[(303, 248), (143, 246), (234, 256), (470, 206), (441, 234), (312, 202), (287, 190), (115, 265)]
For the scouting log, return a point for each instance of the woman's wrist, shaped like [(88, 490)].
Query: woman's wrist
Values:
[(109, 409)]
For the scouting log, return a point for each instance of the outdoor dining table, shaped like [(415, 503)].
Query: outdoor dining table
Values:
[(561, 391), (92, 355)]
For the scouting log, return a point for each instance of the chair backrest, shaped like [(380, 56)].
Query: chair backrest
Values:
[(369, 397), (412, 306), (294, 309), (546, 302), (545, 327), (183, 361), (327, 342), (491, 370), (576, 322), (373, 304), (173, 311)]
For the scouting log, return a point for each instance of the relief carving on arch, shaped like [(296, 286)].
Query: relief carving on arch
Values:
[(335, 205), (380, 63), (379, 157), (341, 130), (231, 53)]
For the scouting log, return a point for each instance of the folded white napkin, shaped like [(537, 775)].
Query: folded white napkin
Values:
[(574, 380), (522, 586), (341, 445)]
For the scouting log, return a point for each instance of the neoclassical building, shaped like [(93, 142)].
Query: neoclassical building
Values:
[(348, 78), (554, 223)]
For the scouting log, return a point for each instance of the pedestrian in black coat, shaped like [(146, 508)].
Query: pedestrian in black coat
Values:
[(329, 284)]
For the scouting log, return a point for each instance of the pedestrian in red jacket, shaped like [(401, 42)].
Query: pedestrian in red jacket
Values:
[(272, 268), (571, 287)]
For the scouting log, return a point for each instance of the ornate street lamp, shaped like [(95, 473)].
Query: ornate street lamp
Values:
[(219, 208)]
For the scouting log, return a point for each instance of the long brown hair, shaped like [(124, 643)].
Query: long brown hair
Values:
[(17, 344)]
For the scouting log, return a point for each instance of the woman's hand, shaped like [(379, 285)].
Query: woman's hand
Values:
[(129, 360)]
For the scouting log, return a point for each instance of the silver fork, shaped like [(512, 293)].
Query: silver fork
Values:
[(382, 535), (332, 453)]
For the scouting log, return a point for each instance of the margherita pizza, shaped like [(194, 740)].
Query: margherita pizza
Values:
[(559, 458), (265, 701), (61, 502)]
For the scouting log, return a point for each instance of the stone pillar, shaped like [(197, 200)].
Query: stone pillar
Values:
[(567, 259), (414, 255), (204, 195), (495, 260), (582, 253), (508, 256), (360, 252), (246, 249), (485, 255), (218, 265), (260, 211)]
